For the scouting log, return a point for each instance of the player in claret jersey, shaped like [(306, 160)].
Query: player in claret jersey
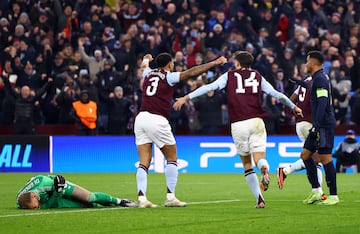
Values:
[(244, 88), (152, 123)]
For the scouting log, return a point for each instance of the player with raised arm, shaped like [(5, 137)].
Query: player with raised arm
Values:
[(152, 122), (44, 192), (244, 88)]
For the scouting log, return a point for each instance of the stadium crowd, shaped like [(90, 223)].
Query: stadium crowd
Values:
[(63, 49)]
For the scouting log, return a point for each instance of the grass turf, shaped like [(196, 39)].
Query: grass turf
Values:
[(218, 203)]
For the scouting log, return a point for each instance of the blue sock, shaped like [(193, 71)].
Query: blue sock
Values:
[(330, 175), (311, 172)]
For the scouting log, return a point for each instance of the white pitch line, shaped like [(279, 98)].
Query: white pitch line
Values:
[(99, 209), (210, 202)]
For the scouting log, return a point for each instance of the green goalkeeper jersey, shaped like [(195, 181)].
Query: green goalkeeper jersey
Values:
[(44, 187)]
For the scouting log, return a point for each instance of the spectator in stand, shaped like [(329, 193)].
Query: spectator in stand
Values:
[(355, 107), (341, 86), (222, 20), (351, 68), (30, 77), (107, 80), (272, 120), (64, 102), (127, 13), (98, 26), (279, 81), (119, 112), (67, 53), (8, 100), (89, 33), (85, 114), (5, 33), (108, 38), (170, 14), (209, 112), (348, 153), (76, 64), (96, 62), (25, 103), (110, 20), (216, 38), (59, 71), (26, 51), (264, 60), (153, 10), (67, 20), (263, 40), (236, 41), (125, 55), (83, 82)]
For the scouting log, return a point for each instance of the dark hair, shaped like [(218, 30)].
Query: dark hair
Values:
[(163, 59), (244, 58), (315, 54)]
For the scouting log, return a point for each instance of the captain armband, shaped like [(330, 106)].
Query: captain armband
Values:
[(321, 93)]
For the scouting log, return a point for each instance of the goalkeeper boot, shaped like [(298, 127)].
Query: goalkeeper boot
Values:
[(331, 200), (265, 179), (143, 202), (313, 198), (280, 177), (128, 203), (172, 201)]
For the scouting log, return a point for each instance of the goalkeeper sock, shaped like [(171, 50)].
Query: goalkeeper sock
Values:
[(253, 182), (171, 174), (141, 179), (103, 199)]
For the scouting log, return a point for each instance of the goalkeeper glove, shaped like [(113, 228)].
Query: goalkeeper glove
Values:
[(59, 183)]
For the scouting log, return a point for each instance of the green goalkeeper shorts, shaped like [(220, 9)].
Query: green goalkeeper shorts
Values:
[(67, 203)]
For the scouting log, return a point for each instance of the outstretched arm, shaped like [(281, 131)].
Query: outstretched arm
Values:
[(220, 83), (197, 70), (267, 88)]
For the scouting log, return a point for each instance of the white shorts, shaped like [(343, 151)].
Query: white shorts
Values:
[(249, 136), (152, 128), (302, 129)]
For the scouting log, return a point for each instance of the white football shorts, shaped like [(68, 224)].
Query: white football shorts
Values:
[(249, 136), (154, 128), (302, 129)]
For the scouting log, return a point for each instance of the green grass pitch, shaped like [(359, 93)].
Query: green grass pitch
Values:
[(218, 203)]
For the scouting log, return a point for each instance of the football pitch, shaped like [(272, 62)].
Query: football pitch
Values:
[(217, 203)]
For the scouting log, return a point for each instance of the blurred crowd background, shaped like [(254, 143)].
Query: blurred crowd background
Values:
[(61, 49)]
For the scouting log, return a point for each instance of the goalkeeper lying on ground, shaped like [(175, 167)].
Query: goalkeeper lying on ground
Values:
[(43, 192)]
